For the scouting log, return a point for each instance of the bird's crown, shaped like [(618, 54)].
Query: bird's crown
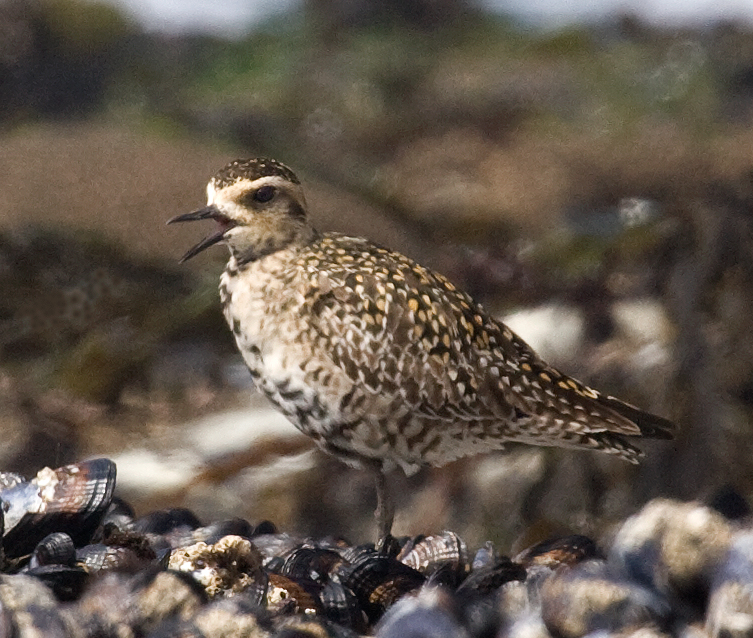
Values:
[(251, 169)]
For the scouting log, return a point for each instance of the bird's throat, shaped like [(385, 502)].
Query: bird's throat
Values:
[(248, 247)]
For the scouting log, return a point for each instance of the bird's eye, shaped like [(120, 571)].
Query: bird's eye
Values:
[(264, 194)]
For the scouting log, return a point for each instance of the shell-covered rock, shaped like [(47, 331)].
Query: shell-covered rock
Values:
[(85, 566), (673, 548), (229, 566), (589, 598)]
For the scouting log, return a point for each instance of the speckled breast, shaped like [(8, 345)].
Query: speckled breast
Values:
[(262, 304)]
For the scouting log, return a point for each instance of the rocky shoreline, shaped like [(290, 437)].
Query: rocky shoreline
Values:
[(77, 562)]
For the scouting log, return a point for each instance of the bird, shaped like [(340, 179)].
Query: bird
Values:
[(383, 362)]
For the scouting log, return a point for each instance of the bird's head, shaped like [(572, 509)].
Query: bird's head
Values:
[(258, 206)]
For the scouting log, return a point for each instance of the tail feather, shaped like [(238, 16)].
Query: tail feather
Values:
[(650, 425)]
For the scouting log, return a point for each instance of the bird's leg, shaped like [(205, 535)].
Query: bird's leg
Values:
[(385, 510)]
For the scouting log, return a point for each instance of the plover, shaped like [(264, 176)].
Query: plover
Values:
[(383, 362)]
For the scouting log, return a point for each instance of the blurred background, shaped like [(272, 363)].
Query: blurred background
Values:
[(587, 175)]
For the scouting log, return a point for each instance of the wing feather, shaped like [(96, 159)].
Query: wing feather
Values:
[(407, 334)]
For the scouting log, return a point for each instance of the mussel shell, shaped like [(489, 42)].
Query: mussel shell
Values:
[(310, 563), (172, 527), (70, 499), (265, 527), (167, 520), (445, 576), (54, 549), (565, 550), (119, 514), (99, 556), (232, 527), (354, 554), (487, 579), (184, 533), (341, 605), (430, 553), (378, 581)]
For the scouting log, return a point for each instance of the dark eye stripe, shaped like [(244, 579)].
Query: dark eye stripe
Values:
[(265, 193)]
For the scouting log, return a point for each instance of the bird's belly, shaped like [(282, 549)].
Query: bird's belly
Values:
[(310, 390), (298, 389), (375, 433), (281, 378)]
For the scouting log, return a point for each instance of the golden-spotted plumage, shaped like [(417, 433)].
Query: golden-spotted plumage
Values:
[(380, 360)]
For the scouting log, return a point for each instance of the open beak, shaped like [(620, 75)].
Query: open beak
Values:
[(209, 212)]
